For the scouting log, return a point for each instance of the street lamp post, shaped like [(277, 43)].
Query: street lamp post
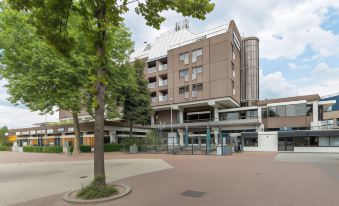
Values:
[(171, 100)]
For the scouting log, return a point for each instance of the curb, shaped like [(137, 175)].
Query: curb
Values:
[(127, 190)]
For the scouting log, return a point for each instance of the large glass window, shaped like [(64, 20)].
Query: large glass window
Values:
[(251, 114), (272, 111), (232, 115), (306, 141), (281, 111), (250, 142), (184, 57), (195, 54), (183, 73)]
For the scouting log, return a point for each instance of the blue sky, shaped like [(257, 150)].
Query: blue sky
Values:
[(299, 46)]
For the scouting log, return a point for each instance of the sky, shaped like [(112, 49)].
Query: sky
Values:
[(299, 47)]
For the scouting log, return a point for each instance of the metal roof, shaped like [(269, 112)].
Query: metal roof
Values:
[(173, 39)]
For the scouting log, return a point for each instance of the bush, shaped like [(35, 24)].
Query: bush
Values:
[(5, 148), (85, 148), (96, 190), (43, 149), (112, 147)]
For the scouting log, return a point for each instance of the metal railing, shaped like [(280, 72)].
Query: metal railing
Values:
[(152, 70), (163, 67), (152, 85)]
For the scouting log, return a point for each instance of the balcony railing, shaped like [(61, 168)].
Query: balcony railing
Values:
[(163, 98), (152, 70), (154, 99), (162, 67), (163, 83), (152, 85)]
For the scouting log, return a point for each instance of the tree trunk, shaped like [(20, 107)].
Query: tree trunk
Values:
[(76, 147), (99, 158), (130, 129)]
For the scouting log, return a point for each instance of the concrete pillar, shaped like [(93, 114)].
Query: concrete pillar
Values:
[(216, 114), (181, 136), (181, 116), (315, 111), (260, 114), (112, 135), (152, 120), (216, 134)]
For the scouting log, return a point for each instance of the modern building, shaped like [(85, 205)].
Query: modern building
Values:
[(56, 134), (209, 82), (205, 92), (331, 114)]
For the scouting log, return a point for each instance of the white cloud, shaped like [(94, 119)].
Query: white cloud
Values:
[(285, 28), (322, 80), (17, 117), (13, 116)]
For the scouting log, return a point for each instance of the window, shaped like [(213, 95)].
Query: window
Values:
[(264, 112), (330, 122), (197, 70), (183, 90), (309, 110), (338, 122), (329, 109), (195, 54), (183, 73), (272, 112), (281, 111), (306, 141), (233, 70), (184, 57), (236, 41), (233, 87), (61, 129), (250, 142), (197, 87), (71, 129), (232, 115), (251, 114)]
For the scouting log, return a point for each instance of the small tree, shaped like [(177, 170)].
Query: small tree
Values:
[(137, 101)]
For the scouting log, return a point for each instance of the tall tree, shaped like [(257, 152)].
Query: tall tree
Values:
[(3, 131), (137, 101), (100, 17), (39, 76)]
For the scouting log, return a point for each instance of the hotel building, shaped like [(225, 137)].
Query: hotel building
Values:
[(207, 84)]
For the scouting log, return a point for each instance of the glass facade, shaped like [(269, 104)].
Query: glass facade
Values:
[(291, 110), (250, 70)]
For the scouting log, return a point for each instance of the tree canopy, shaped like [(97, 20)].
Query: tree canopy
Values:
[(99, 18)]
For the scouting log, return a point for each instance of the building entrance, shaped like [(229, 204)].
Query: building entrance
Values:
[(285, 144)]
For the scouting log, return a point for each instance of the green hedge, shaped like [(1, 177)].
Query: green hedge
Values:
[(112, 147), (85, 148), (5, 148), (42, 149)]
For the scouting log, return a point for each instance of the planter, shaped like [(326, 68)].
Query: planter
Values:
[(123, 190)]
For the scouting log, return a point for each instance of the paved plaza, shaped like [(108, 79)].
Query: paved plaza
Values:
[(160, 180)]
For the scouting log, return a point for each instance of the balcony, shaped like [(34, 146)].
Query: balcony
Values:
[(162, 67), (163, 83), (152, 85), (154, 99), (152, 70), (163, 98)]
